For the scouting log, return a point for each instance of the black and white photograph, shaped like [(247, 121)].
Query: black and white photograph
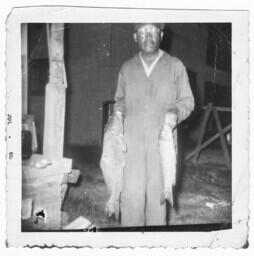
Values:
[(129, 125), (106, 110)]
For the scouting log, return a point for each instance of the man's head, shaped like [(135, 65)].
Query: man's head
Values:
[(148, 36)]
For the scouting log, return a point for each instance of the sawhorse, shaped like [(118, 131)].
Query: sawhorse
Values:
[(210, 109)]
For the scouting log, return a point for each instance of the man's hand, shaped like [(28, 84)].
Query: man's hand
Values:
[(171, 119)]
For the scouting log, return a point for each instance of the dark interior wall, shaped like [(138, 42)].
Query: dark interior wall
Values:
[(195, 44), (188, 42), (94, 54)]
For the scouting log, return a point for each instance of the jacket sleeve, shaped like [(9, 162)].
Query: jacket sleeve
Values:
[(184, 97), (120, 94)]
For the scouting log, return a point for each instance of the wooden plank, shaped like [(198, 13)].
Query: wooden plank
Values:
[(206, 143), (202, 130), (221, 109), (54, 118), (222, 139)]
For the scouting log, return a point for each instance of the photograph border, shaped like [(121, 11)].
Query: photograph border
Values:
[(237, 236)]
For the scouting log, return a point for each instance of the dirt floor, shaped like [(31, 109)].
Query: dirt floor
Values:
[(203, 193)]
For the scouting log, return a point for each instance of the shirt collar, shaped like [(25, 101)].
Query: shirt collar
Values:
[(163, 59), (148, 69), (160, 53)]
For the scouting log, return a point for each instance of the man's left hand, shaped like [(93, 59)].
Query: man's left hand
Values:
[(171, 119)]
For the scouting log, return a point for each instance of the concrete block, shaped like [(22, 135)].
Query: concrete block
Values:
[(60, 166), (71, 177)]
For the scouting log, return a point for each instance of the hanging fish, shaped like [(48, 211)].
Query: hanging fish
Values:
[(167, 149), (112, 163)]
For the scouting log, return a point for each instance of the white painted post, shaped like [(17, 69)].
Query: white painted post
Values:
[(54, 119)]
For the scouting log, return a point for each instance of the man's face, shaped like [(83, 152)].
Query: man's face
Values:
[(148, 38)]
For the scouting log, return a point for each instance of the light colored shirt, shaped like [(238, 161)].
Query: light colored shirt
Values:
[(149, 69)]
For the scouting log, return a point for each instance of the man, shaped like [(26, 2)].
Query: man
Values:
[(150, 85)]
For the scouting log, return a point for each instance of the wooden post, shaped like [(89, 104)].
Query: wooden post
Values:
[(222, 138), (221, 131), (53, 140), (202, 130)]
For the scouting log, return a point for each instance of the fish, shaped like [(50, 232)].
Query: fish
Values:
[(168, 160), (112, 163)]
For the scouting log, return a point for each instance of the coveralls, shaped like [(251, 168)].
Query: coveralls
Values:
[(144, 102)]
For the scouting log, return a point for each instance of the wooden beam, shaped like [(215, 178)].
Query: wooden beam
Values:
[(54, 114), (203, 129), (220, 109), (206, 143), (222, 139)]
